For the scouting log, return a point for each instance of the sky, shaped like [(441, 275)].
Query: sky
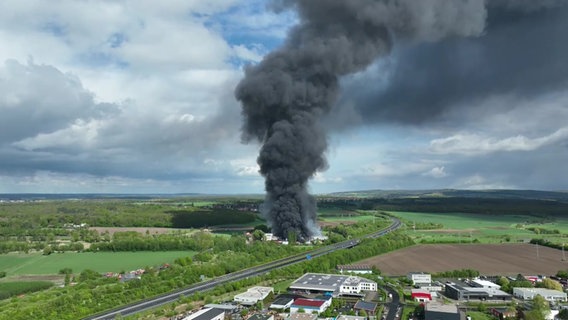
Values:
[(139, 97)]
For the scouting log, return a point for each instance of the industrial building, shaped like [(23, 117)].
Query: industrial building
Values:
[(207, 314), (547, 294), (438, 311), (462, 291), (310, 305), (282, 303), (419, 278), (253, 295), (421, 295), (333, 285), (302, 316), (355, 268)]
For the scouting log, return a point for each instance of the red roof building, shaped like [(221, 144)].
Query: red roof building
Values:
[(421, 295), (310, 305)]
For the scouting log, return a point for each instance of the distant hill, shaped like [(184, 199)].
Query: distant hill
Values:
[(561, 196)]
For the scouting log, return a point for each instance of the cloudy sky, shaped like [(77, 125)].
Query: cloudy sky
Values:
[(138, 97)]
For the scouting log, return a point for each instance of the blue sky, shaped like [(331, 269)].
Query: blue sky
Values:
[(137, 97)]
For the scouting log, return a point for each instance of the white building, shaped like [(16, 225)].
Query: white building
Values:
[(310, 305), (485, 284), (355, 268), (346, 317), (207, 314), (333, 284), (253, 295), (302, 316), (357, 285), (547, 294), (419, 278)]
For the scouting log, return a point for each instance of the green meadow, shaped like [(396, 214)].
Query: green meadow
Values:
[(484, 228), (36, 263)]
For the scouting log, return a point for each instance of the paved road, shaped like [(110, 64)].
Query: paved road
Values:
[(207, 285), (394, 307)]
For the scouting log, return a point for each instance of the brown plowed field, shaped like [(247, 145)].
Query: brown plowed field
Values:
[(488, 259)]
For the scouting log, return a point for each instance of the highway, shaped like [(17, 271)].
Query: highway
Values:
[(154, 302)]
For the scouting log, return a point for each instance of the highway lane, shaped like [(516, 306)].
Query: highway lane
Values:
[(258, 270)]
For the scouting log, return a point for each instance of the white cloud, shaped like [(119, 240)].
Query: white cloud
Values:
[(436, 172), (323, 178), (478, 182), (474, 144)]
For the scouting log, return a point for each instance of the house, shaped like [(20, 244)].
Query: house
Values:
[(503, 313), (355, 268), (419, 278), (310, 305), (421, 295), (547, 294), (207, 314), (253, 295), (368, 307)]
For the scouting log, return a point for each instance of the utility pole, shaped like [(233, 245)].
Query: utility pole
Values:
[(537, 256)]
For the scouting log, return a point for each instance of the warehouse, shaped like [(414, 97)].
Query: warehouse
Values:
[(547, 294), (333, 285), (253, 295), (461, 291)]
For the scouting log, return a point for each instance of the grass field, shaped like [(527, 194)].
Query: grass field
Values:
[(18, 264), (465, 227)]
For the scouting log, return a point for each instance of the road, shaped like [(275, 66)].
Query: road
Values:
[(394, 308), (258, 270)]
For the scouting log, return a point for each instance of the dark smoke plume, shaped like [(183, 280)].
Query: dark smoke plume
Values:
[(284, 96)]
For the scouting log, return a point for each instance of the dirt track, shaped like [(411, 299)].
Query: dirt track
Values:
[(489, 259)]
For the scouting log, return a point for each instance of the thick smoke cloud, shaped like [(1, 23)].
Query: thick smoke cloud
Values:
[(522, 53), (285, 96)]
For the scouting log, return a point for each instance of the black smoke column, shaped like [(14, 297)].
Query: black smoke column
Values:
[(284, 96)]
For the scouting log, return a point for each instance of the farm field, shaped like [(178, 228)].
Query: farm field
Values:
[(28, 264), (466, 227), (488, 259)]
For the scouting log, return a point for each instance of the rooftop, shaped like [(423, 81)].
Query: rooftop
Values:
[(205, 314), (354, 267), (541, 291), (258, 316), (365, 305), (301, 302), (303, 316), (438, 307)]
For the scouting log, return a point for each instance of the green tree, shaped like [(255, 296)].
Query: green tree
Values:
[(563, 314), (550, 284), (562, 274), (292, 237), (258, 235), (47, 250)]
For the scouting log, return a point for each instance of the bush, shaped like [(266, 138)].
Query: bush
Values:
[(10, 289)]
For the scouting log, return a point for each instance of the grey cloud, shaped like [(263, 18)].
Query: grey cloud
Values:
[(521, 53), (38, 99), (51, 123)]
